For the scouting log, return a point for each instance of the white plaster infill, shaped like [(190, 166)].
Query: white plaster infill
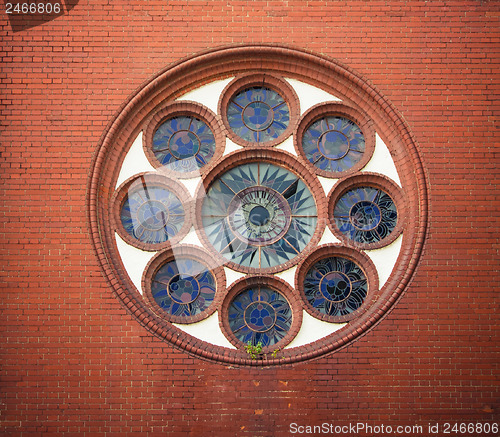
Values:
[(135, 162), (134, 260), (208, 94), (327, 183), (310, 95), (287, 146), (190, 184), (207, 330), (232, 276), (313, 329), (192, 238), (328, 237), (385, 259), (288, 275), (382, 162), (231, 147)]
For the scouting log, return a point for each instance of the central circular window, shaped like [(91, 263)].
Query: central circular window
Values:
[(258, 206), (259, 215)]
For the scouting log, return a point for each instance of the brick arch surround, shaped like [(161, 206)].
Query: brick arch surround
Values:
[(221, 63)]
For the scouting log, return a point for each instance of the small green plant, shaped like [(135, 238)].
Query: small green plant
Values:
[(275, 353), (253, 351)]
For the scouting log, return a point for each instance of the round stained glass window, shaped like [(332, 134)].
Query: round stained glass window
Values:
[(335, 286), (183, 287), (333, 144), (150, 212), (258, 211), (259, 215), (365, 215), (183, 144), (259, 314), (258, 114)]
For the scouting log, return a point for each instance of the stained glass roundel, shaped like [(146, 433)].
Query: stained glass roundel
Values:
[(258, 215), (335, 286), (333, 144), (260, 315), (258, 114), (183, 143), (183, 287), (151, 212), (365, 214)]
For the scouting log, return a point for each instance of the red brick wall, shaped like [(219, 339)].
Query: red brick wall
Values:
[(75, 362)]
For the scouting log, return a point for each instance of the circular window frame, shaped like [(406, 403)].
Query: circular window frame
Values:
[(362, 260), (276, 84), (334, 109), (188, 251), (275, 284), (187, 109), (227, 62), (274, 157), (374, 180), (120, 195)]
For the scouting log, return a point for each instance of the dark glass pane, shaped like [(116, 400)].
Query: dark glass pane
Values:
[(365, 215), (335, 286)]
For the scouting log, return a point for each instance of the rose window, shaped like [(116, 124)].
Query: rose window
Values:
[(267, 200)]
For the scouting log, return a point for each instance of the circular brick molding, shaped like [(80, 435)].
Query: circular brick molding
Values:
[(366, 210), (184, 139), (166, 275), (259, 110), (334, 139), (151, 212), (256, 67)]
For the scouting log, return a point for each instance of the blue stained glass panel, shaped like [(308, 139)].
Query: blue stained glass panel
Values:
[(152, 214), (260, 314), (183, 144), (183, 288), (258, 114), (333, 144), (365, 215), (335, 286)]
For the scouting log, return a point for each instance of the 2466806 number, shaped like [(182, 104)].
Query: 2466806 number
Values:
[(470, 428), (33, 8)]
